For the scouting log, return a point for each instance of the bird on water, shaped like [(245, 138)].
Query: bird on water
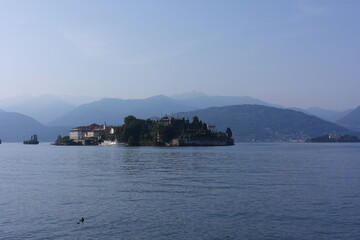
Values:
[(81, 220)]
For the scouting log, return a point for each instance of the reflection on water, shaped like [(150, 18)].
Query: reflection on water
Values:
[(247, 191)]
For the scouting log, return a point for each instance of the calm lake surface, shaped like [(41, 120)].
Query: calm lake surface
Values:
[(246, 191)]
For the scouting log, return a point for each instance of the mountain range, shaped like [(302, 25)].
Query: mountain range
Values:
[(112, 111), (43, 108), (52, 112), (204, 101), (263, 123), (325, 114), (351, 120), (15, 127)]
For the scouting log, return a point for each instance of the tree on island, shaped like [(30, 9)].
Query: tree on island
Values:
[(139, 132), (340, 138), (131, 131), (229, 132)]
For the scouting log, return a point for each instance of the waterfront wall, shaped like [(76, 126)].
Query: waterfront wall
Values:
[(177, 142)]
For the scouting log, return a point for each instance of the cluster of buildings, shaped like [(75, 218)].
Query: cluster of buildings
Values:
[(195, 133), (168, 131), (94, 131)]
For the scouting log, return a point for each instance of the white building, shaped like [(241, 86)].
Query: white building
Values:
[(91, 131)]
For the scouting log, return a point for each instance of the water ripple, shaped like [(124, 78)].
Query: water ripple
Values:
[(248, 191)]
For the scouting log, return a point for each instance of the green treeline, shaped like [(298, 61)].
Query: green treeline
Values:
[(327, 138), (139, 132), (33, 140)]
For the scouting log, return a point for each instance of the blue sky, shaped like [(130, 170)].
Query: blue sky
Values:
[(294, 53)]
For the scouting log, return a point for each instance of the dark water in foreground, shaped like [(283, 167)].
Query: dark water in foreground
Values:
[(248, 191)]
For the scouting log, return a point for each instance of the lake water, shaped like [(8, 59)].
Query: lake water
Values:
[(246, 191)]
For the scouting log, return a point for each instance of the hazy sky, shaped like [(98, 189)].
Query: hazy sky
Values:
[(294, 53)]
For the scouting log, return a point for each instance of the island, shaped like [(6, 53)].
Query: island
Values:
[(167, 131), (33, 140), (334, 138), (93, 134), (170, 131)]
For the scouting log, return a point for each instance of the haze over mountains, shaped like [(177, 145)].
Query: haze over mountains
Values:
[(201, 100), (54, 111), (263, 123), (15, 127), (112, 111), (326, 114), (43, 108), (351, 120)]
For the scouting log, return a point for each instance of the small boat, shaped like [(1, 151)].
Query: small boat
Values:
[(0, 141), (110, 143), (33, 140)]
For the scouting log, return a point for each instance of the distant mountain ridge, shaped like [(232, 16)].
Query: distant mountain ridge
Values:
[(51, 109), (188, 95), (221, 101), (43, 111), (351, 120), (248, 122), (16, 127), (112, 110), (43, 108), (326, 114), (263, 123)]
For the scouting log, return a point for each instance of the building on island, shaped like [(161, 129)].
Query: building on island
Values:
[(167, 131), (186, 133), (94, 131), (211, 128)]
